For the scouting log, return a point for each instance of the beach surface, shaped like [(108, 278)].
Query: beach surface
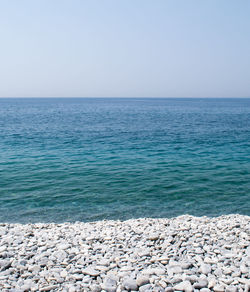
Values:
[(184, 253)]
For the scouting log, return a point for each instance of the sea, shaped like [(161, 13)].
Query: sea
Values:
[(88, 159)]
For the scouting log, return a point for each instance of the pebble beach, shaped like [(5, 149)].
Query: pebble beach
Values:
[(185, 253)]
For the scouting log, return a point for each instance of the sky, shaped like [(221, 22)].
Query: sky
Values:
[(124, 48)]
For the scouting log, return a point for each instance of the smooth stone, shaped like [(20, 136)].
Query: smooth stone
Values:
[(109, 288), (91, 272), (103, 269), (26, 288), (142, 280), (169, 289), (247, 251), (3, 248), (227, 271), (48, 288), (176, 279), (158, 289), (231, 289), (163, 284), (110, 282), (211, 283), (227, 281), (4, 265), (186, 265), (153, 271), (34, 269), (244, 281), (163, 259), (95, 288), (103, 262), (205, 269), (72, 289), (244, 269), (63, 246), (218, 273), (219, 288), (201, 284), (184, 286), (146, 288), (130, 285), (175, 270), (153, 236), (64, 274), (158, 271), (236, 274), (78, 276), (193, 279), (23, 262), (109, 285)]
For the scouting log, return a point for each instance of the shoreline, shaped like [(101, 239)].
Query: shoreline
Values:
[(183, 253)]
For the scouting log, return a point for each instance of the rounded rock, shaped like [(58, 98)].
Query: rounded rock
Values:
[(130, 285), (142, 280)]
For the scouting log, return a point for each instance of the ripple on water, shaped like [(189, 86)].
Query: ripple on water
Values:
[(90, 159)]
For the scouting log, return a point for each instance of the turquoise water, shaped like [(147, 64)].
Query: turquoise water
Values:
[(90, 159)]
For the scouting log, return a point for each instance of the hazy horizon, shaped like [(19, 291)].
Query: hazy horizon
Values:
[(124, 97), (126, 49)]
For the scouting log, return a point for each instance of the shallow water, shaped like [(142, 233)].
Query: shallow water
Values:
[(90, 159)]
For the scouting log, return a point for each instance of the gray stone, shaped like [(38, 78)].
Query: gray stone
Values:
[(205, 269), (205, 290), (247, 288), (175, 269), (247, 251), (5, 264), (72, 288), (130, 285), (96, 288), (23, 262), (158, 289), (186, 265), (142, 280), (109, 288), (103, 262), (3, 248), (184, 286), (154, 236), (25, 288), (201, 284), (219, 288), (49, 288), (193, 279), (110, 281), (244, 269), (91, 272), (110, 284), (146, 288), (231, 289), (169, 289)]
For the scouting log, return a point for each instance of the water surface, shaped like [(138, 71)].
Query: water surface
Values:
[(90, 159)]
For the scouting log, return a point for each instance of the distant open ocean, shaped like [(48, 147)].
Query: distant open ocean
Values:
[(88, 159)]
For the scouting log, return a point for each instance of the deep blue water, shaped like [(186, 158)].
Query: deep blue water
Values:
[(90, 159)]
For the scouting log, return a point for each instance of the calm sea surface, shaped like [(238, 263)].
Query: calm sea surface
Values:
[(90, 159)]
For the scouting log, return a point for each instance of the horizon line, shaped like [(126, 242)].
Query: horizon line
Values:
[(159, 97)]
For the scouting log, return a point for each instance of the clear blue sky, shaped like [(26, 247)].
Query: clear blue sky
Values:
[(125, 48)]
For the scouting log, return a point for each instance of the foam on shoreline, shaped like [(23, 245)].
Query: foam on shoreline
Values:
[(185, 253)]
